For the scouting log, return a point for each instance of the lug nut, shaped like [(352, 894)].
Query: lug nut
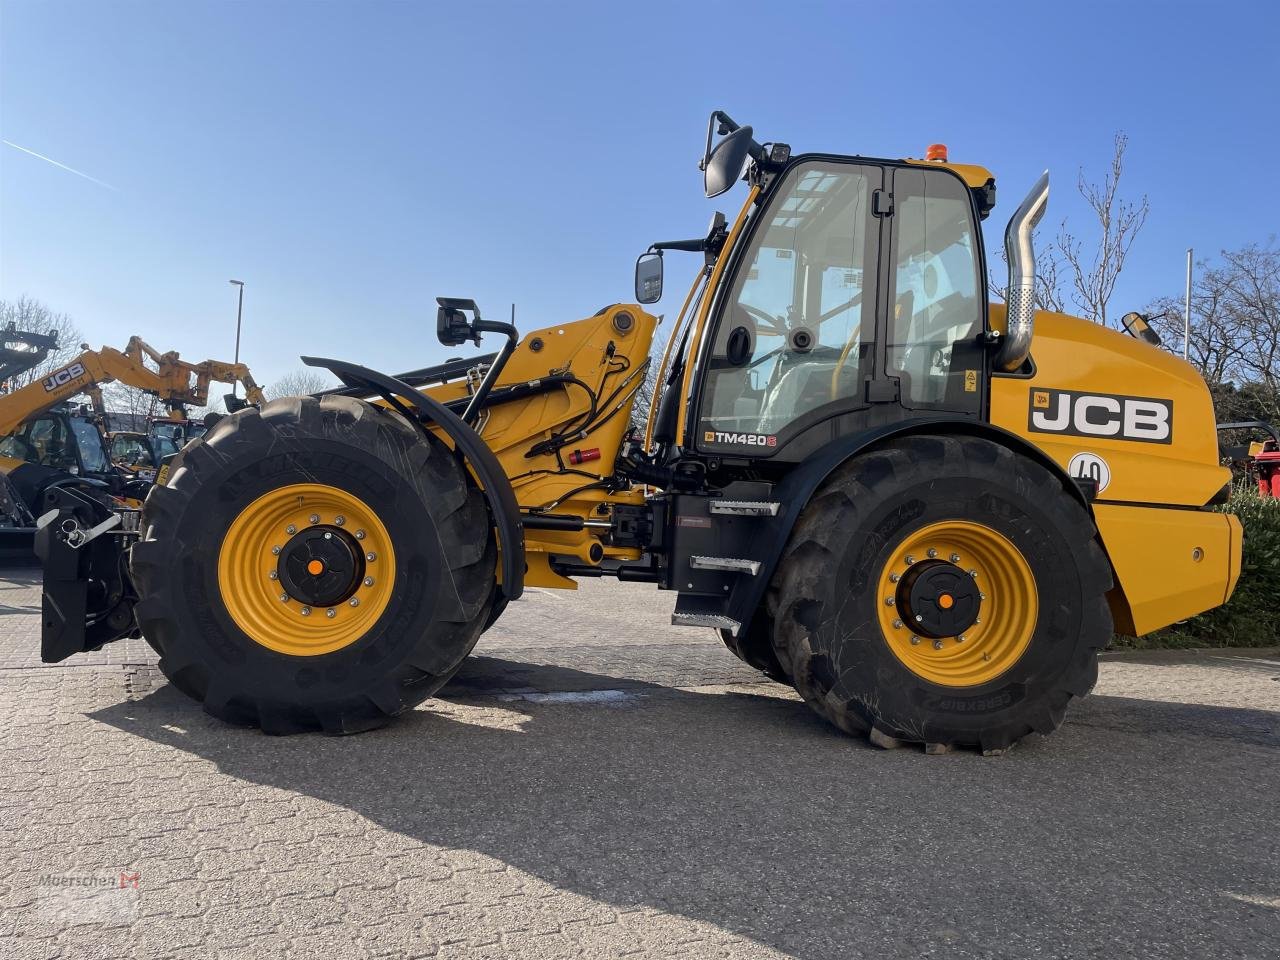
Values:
[(291, 529), (276, 551), (937, 644), (339, 520), (359, 534), (888, 601), (914, 640), (331, 613), (954, 558), (328, 535), (897, 624), (974, 574), (910, 559), (919, 618), (354, 601), (931, 553), (371, 556), (982, 596), (977, 620), (273, 575), (306, 611), (960, 639), (284, 598), (314, 518), (894, 578), (368, 581)]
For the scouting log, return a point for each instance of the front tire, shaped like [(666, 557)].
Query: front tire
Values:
[(943, 591), (315, 565)]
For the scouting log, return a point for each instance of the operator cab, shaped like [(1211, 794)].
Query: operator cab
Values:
[(62, 441), (853, 296)]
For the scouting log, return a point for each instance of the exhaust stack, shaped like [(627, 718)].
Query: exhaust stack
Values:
[(1020, 297)]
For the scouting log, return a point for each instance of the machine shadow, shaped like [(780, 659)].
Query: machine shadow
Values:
[(744, 811)]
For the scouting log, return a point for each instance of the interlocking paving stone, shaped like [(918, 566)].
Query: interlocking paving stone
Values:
[(706, 813)]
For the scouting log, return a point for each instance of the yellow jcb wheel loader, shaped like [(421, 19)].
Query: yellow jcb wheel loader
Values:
[(923, 511)]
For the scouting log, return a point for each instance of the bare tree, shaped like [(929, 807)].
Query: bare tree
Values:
[(299, 383), (128, 407), (1094, 270), (1235, 329), (32, 316)]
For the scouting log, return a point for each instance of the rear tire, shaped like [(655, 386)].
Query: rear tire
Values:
[(276, 665), (846, 647)]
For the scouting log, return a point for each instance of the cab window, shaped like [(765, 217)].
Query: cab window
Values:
[(796, 331), (937, 313), (131, 451)]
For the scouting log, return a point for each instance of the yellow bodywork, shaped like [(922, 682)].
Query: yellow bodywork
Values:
[(604, 351), (1171, 559)]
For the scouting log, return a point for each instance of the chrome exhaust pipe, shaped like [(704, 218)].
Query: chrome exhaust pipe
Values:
[(1020, 297)]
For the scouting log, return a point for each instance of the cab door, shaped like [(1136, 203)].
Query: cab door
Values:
[(794, 331), (855, 302), (934, 348)]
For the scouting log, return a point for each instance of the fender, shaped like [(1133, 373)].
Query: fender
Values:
[(799, 485), (496, 487)]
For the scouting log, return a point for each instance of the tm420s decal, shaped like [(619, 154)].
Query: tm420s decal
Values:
[(1104, 415)]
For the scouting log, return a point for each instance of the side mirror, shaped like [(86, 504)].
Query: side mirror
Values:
[(1140, 329), (724, 164), (452, 326), (649, 278)]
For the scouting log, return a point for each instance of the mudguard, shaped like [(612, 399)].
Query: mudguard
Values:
[(795, 490), (422, 409)]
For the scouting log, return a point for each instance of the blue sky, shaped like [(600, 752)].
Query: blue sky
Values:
[(352, 161)]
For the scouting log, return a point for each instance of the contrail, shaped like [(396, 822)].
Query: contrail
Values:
[(40, 156)]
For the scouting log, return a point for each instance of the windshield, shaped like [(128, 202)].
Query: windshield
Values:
[(165, 447), (131, 451), (797, 331), (92, 456)]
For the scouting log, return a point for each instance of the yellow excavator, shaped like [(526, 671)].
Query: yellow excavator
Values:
[(922, 510), (46, 443)]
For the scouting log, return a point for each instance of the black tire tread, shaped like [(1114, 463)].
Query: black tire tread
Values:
[(809, 555), (457, 507)]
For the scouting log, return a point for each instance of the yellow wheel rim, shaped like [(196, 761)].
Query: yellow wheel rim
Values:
[(274, 537), (997, 631)]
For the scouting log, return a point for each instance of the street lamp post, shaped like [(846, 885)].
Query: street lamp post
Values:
[(239, 314)]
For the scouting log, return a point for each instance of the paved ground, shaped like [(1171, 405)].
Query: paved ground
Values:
[(628, 789)]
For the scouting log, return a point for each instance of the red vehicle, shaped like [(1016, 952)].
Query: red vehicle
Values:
[(1262, 456)]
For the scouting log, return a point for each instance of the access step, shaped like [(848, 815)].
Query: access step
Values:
[(694, 611), (732, 564), (745, 508)]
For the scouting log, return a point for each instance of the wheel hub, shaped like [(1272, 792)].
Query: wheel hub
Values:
[(321, 566), (938, 599), (306, 569), (959, 603)]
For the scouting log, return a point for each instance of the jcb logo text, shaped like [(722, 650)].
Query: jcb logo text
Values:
[(60, 378), (1145, 419)]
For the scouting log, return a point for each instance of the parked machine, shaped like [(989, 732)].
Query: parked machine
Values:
[(1261, 458), (922, 510), (47, 443)]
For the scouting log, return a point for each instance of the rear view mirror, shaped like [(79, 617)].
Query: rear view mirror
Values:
[(1140, 329), (452, 326), (649, 278), (724, 164)]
